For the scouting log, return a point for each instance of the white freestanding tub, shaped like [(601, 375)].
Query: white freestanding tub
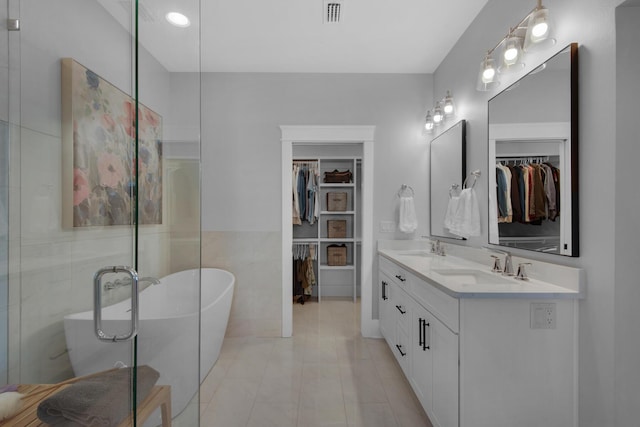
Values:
[(167, 334)]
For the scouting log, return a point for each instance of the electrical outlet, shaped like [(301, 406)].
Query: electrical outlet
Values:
[(543, 315), (387, 226)]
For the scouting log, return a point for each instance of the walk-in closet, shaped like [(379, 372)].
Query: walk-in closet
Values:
[(326, 222)]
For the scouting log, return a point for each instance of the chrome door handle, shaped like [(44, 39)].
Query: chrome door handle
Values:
[(97, 303)]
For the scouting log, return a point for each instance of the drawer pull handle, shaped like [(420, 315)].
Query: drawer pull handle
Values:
[(399, 307), (399, 277), (384, 290), (402, 353), (424, 327), (420, 333)]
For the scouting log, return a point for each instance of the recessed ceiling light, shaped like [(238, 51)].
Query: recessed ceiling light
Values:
[(178, 19)]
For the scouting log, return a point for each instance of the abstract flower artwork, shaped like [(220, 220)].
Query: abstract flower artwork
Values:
[(100, 163)]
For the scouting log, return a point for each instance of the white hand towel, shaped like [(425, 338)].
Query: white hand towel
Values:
[(408, 222), (450, 215), (466, 221)]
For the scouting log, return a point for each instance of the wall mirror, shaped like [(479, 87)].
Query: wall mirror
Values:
[(448, 169), (533, 148)]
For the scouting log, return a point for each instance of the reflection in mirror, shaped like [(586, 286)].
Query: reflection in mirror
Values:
[(533, 147), (448, 169)]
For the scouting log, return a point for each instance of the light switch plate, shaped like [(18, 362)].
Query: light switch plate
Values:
[(543, 315)]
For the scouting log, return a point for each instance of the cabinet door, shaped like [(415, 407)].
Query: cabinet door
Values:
[(444, 343), (421, 377)]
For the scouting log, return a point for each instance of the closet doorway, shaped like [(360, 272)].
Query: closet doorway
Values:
[(327, 142)]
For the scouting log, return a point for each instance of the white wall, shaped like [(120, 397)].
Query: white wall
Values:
[(591, 23), (627, 231), (241, 137), (241, 153)]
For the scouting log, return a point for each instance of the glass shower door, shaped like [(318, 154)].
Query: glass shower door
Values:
[(92, 232)]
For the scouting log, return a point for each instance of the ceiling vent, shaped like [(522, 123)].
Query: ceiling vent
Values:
[(333, 11)]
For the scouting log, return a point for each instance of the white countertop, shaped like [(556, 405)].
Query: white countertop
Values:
[(465, 278)]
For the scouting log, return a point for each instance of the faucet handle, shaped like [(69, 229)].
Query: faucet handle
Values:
[(497, 268), (522, 274), (441, 249)]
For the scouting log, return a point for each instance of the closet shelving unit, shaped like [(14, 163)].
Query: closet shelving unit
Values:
[(334, 280)]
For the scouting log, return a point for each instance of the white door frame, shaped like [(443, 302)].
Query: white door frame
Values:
[(323, 135)]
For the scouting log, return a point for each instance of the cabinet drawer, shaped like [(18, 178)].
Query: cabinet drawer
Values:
[(394, 271), (443, 306), (401, 351)]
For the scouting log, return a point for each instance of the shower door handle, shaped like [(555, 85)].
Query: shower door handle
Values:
[(97, 303)]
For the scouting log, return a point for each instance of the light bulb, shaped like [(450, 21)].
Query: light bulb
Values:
[(510, 54), (540, 29), (448, 104), (437, 114), (488, 74), (512, 51), (428, 125), (448, 108)]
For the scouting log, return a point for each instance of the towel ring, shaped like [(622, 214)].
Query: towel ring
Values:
[(475, 174), (405, 190)]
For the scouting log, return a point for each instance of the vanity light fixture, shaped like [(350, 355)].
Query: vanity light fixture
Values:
[(428, 124), (530, 32), (178, 19), (488, 76), (449, 108), (443, 109), (438, 115)]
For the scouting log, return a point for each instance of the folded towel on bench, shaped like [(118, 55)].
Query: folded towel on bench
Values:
[(102, 400)]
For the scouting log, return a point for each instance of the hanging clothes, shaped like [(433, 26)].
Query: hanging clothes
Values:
[(305, 179), (527, 192), (304, 276), (295, 208)]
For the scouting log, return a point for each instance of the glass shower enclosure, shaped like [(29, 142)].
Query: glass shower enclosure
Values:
[(95, 210)]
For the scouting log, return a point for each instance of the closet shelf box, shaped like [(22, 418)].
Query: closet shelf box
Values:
[(336, 202), (336, 255), (336, 228), (338, 177)]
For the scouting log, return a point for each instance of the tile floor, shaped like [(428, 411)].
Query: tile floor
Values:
[(325, 375)]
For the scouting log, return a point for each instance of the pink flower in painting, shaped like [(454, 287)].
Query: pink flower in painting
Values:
[(107, 122), (80, 186), (110, 170), (150, 118), (128, 118)]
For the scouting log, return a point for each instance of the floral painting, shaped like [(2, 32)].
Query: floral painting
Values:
[(99, 161)]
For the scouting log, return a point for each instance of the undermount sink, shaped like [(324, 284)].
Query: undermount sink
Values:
[(474, 277), (416, 252)]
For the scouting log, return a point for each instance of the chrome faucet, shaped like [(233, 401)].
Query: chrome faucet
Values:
[(438, 248), (508, 263)]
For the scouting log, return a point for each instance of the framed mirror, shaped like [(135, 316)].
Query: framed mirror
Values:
[(533, 149), (448, 168)]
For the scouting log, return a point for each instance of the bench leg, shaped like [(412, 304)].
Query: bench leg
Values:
[(165, 411)]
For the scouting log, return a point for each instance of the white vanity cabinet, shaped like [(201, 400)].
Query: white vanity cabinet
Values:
[(434, 370), (477, 359)]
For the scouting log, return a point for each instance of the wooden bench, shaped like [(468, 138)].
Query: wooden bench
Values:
[(159, 396)]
